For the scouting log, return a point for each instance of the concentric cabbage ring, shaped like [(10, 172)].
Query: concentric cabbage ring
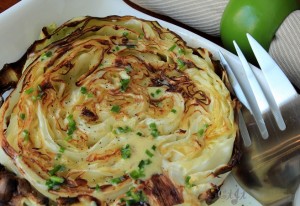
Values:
[(117, 111)]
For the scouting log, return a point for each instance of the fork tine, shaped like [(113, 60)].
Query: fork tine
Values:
[(238, 91), (243, 80), (244, 131), (233, 81), (272, 76)]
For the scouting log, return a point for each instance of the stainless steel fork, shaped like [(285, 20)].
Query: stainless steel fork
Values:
[(269, 123)]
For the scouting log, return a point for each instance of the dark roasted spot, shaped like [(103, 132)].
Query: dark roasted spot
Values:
[(88, 46), (161, 190), (89, 114), (118, 62), (210, 196)]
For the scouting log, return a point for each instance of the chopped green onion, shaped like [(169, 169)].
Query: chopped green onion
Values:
[(120, 130), (83, 90), (139, 134), (115, 108), (150, 154), (46, 55), (54, 182), (181, 51), (34, 98), (141, 36), (128, 69), (172, 47), (71, 125), (29, 91), (90, 95), (61, 149), (136, 174), (158, 91), (152, 126), (116, 180), (154, 130), (187, 182), (22, 116), (25, 134), (126, 152), (180, 63), (143, 163), (117, 48), (57, 179), (153, 147), (58, 156), (68, 138), (97, 188), (56, 169), (202, 130), (135, 198), (174, 111), (124, 84)]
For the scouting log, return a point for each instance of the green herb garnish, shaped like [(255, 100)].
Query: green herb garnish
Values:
[(57, 168), (68, 138), (141, 36), (139, 134), (158, 91), (46, 55), (97, 188), (136, 174), (187, 182), (134, 197), (83, 90), (124, 84), (115, 108), (61, 149), (180, 63), (54, 182), (29, 91), (143, 163), (128, 69), (71, 125), (126, 152), (22, 116), (116, 180), (173, 111), (154, 130), (153, 147), (125, 34), (150, 154), (172, 47), (25, 134), (202, 130), (181, 51), (120, 130)]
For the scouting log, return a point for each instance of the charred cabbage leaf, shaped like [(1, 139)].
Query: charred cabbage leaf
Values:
[(118, 111)]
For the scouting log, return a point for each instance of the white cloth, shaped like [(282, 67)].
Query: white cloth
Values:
[(205, 16), (285, 47)]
